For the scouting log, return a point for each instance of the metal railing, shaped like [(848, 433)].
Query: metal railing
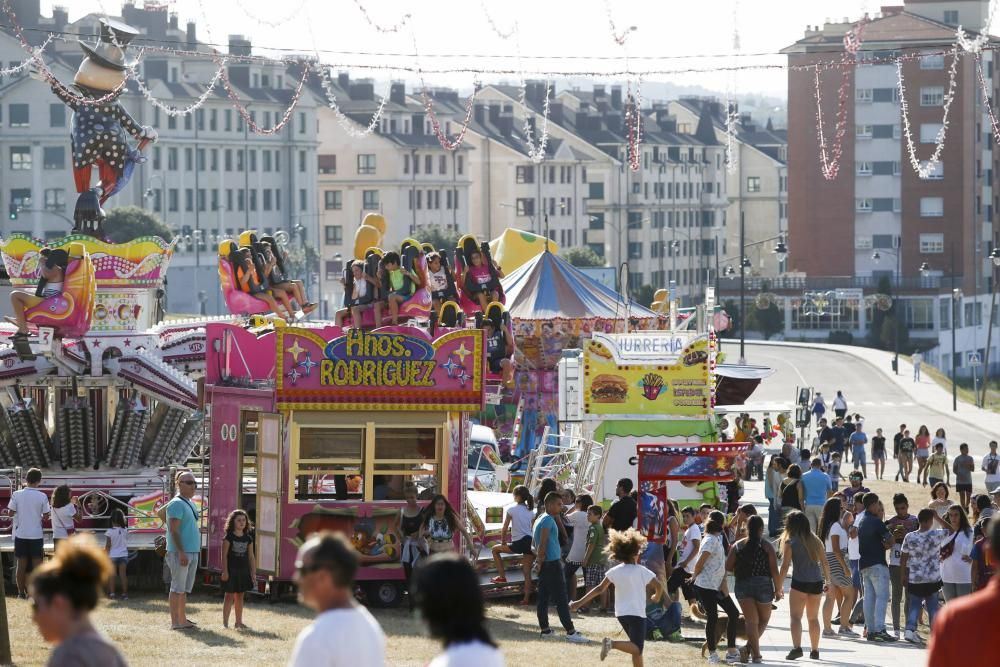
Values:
[(794, 283)]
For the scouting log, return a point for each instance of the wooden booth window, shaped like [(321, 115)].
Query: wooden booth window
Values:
[(330, 463)]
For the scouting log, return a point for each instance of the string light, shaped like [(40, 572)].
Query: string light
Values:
[(976, 44), (191, 108), (633, 121), (504, 35), (396, 27), (446, 143), (268, 22), (26, 63), (619, 37), (536, 153), (346, 123), (830, 157), (986, 98), (242, 110), (732, 156), (925, 169)]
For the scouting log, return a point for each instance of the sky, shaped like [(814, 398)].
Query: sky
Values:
[(577, 32)]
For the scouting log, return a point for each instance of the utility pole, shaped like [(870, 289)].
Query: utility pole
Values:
[(5, 657), (743, 270), (954, 325)]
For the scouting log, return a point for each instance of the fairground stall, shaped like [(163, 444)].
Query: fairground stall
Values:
[(320, 428)]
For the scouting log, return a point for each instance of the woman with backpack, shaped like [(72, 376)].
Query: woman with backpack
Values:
[(754, 564)]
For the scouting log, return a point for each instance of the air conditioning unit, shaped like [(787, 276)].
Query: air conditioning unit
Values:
[(862, 243)]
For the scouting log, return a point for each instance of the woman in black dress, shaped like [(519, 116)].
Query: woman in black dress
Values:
[(791, 491), (239, 566)]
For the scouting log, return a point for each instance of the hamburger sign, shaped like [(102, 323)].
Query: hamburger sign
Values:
[(648, 373)]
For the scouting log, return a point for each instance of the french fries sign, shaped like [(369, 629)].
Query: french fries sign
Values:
[(670, 377)]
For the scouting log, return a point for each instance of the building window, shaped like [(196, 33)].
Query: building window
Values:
[(333, 234), (327, 164), (753, 183), (527, 175), (214, 159), (595, 191), (931, 207), (932, 96), (20, 158), (172, 159), (918, 313), (459, 165), (228, 120), (935, 172), (201, 199), (267, 199), (951, 16), (253, 200), (634, 250), (253, 160), (213, 119), (525, 206), (428, 163), (57, 115), (931, 244), (240, 159), (227, 159), (929, 132), (880, 242), (932, 61), (406, 163), (54, 157), (229, 199), (863, 131), (302, 161), (18, 115), (863, 205), (333, 200), (172, 199), (443, 164), (366, 163), (266, 160), (188, 199), (302, 199), (863, 168), (369, 200), (302, 120), (55, 199), (863, 94)]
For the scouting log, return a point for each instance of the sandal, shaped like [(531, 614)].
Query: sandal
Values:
[(185, 626)]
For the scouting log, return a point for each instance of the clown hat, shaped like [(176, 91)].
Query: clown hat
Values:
[(109, 52)]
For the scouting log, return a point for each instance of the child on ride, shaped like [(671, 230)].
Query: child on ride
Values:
[(53, 270), (399, 290), (249, 282), (481, 276), (364, 285)]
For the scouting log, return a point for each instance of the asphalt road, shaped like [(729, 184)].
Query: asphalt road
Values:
[(868, 392)]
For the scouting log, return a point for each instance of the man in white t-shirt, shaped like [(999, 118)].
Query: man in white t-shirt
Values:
[(991, 466), (687, 550), (29, 506), (344, 633)]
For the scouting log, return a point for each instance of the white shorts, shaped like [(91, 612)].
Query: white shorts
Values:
[(182, 576)]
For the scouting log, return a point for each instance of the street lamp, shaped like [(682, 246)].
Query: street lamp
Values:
[(956, 297), (876, 256), (995, 257)]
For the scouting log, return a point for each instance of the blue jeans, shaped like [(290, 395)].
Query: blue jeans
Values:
[(858, 452), (667, 621), (913, 613), (876, 581), (552, 583), (774, 516)]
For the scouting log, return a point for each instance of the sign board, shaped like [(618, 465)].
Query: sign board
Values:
[(359, 370), (602, 274), (974, 359), (648, 373)]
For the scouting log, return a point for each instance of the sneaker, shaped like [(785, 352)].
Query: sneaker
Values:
[(847, 632), (498, 580), (577, 638), (656, 635), (675, 637), (732, 658), (887, 637), (745, 654), (548, 634), (830, 634), (912, 637), (877, 637), (757, 660), (713, 659), (794, 654), (814, 655), (605, 647)]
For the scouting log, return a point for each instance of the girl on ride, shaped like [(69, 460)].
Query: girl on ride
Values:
[(278, 277), (53, 271), (499, 349), (481, 279), (249, 282)]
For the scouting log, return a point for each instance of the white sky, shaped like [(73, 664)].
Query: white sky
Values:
[(665, 28)]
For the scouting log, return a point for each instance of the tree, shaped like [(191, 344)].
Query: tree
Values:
[(768, 321), (643, 295), (127, 223), (879, 317), (582, 256), (440, 238), (887, 336)]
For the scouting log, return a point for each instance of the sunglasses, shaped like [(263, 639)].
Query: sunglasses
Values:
[(190, 482)]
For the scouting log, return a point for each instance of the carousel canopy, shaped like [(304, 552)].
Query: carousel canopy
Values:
[(548, 287), (515, 248)]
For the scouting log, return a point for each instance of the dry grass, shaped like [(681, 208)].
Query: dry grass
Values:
[(141, 628)]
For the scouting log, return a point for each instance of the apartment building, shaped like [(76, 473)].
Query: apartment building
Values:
[(757, 185), (878, 219), (208, 176)]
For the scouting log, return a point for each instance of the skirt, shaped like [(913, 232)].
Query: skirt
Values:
[(838, 577), (239, 581), (413, 550)]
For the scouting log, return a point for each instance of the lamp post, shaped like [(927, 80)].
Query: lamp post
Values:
[(531, 216), (743, 272), (995, 258), (956, 296), (876, 256)]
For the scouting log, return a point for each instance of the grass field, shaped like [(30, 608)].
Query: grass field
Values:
[(140, 627)]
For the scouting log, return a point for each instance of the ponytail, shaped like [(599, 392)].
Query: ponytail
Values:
[(522, 493)]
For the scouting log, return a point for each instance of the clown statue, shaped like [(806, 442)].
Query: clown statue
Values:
[(98, 130)]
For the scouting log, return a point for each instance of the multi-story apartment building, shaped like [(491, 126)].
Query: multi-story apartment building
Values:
[(878, 219), (757, 184), (208, 176)]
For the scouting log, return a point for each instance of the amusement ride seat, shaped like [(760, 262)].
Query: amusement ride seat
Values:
[(70, 312), (238, 301)]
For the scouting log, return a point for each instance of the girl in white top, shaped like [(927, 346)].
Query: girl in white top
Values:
[(939, 436), (116, 544), (632, 582), (63, 510), (451, 604), (520, 517), (956, 569), (709, 577), (576, 520), (834, 530)]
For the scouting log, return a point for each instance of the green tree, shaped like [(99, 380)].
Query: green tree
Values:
[(440, 238), (643, 295), (768, 321), (879, 317), (887, 335), (127, 223), (582, 256)]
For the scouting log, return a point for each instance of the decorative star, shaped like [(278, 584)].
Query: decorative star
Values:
[(462, 352), (294, 376), (96, 343), (295, 350), (450, 366), (463, 377), (308, 364), (128, 342)]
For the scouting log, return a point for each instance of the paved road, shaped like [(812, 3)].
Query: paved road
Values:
[(869, 392)]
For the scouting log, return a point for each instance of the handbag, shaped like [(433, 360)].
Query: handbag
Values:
[(949, 548), (160, 546), (69, 531)]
